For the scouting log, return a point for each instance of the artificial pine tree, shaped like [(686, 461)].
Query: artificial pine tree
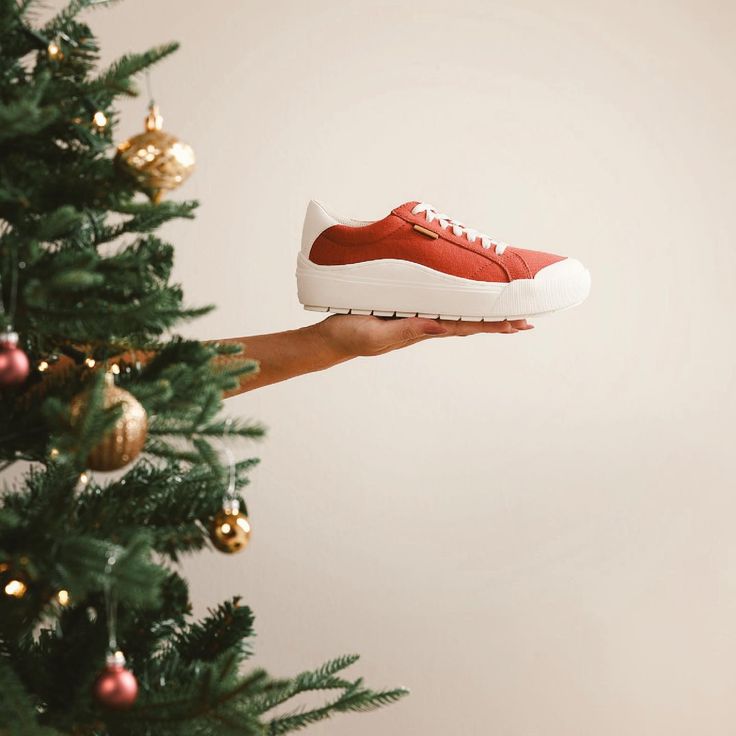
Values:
[(86, 557)]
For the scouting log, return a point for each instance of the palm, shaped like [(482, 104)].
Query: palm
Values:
[(353, 334)]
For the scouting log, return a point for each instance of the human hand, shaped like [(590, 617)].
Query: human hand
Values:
[(352, 335)]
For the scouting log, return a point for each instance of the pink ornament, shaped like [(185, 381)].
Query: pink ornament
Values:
[(14, 364), (116, 687)]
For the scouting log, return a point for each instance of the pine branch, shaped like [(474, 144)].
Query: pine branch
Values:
[(25, 117), (17, 712), (210, 689), (128, 295), (174, 503), (354, 699), (70, 12), (320, 679), (225, 628), (83, 562), (116, 78), (54, 224), (146, 218)]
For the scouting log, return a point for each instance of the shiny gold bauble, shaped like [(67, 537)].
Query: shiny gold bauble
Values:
[(230, 531), (124, 441), (156, 160)]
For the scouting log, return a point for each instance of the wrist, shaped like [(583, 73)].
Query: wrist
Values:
[(325, 343)]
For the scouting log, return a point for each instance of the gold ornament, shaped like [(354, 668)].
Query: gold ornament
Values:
[(230, 530), (156, 160), (128, 435)]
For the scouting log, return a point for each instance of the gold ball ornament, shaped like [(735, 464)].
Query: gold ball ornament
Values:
[(230, 531), (125, 440), (158, 161)]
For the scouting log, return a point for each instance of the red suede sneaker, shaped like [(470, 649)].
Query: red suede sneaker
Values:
[(417, 261)]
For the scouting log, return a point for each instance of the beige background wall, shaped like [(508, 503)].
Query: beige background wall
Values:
[(535, 533)]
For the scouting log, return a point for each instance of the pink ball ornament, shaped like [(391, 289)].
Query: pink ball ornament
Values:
[(14, 363), (116, 687)]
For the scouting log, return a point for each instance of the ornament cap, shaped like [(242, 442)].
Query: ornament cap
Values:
[(9, 337), (231, 506), (154, 120), (115, 659)]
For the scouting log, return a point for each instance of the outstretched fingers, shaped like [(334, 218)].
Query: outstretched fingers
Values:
[(505, 327), (409, 330), (413, 327)]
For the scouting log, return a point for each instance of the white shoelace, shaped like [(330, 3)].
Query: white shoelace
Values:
[(458, 228)]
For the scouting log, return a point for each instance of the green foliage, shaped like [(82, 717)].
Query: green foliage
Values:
[(25, 116), (225, 629), (117, 77), (17, 706), (85, 277)]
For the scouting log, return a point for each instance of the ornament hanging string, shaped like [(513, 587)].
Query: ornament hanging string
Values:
[(8, 314), (230, 500), (151, 101), (230, 492), (111, 605)]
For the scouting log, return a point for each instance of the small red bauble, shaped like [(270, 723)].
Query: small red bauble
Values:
[(116, 687), (14, 363)]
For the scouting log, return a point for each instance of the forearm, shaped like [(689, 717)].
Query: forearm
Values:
[(338, 338), (282, 355)]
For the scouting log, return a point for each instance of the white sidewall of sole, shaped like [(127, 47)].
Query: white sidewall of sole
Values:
[(391, 285)]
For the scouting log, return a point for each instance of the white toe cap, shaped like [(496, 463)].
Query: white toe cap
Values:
[(564, 270)]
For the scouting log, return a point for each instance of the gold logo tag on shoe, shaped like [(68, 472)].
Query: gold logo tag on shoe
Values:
[(424, 231)]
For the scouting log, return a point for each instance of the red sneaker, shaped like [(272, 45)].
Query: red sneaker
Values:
[(417, 261)]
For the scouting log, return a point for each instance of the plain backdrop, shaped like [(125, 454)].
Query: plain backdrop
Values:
[(535, 533)]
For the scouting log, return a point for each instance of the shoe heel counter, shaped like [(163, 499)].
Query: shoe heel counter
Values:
[(316, 221)]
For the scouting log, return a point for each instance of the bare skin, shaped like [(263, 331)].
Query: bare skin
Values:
[(283, 355), (338, 338)]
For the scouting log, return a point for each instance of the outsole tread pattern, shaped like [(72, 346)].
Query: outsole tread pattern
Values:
[(384, 313)]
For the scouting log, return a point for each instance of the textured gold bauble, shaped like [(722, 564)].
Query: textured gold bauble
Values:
[(230, 531), (156, 160), (128, 435)]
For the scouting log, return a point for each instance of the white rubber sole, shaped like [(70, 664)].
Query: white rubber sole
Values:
[(396, 288)]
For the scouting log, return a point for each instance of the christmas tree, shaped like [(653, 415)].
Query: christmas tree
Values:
[(96, 630)]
